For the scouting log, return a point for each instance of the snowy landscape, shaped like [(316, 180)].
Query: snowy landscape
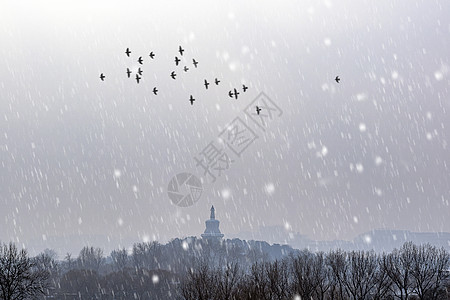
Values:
[(225, 150)]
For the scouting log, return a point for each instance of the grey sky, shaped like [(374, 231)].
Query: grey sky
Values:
[(370, 152)]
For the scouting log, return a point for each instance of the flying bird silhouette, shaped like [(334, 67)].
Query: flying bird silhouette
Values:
[(186, 68), (181, 50), (152, 55), (245, 88), (173, 75), (337, 79), (128, 52), (195, 62), (155, 91), (140, 60), (191, 99), (216, 81), (258, 109), (128, 72), (177, 60), (138, 78), (102, 77), (206, 84), (235, 94)]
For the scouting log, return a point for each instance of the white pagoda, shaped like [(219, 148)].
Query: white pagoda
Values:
[(212, 231)]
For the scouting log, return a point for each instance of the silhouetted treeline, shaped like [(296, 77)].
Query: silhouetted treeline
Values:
[(145, 271), (232, 269), (412, 272)]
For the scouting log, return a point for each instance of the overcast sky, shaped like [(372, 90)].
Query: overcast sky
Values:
[(83, 157)]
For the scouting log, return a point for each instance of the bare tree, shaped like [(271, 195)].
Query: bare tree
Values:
[(68, 263), (360, 276), (398, 266), (255, 285), (383, 282), (91, 258), (227, 281), (305, 275), (120, 259), (47, 262), (146, 255), (423, 269), (199, 283), (322, 274), (20, 277), (441, 283), (277, 274), (336, 260), (429, 264)]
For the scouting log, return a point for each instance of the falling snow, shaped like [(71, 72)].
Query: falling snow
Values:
[(86, 161)]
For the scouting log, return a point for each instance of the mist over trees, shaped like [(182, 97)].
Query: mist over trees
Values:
[(232, 269)]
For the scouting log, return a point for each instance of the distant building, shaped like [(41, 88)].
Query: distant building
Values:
[(212, 231)]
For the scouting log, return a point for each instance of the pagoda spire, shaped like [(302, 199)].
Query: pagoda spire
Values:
[(213, 214)]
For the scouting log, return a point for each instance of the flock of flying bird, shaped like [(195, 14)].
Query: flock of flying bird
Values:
[(232, 94)]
